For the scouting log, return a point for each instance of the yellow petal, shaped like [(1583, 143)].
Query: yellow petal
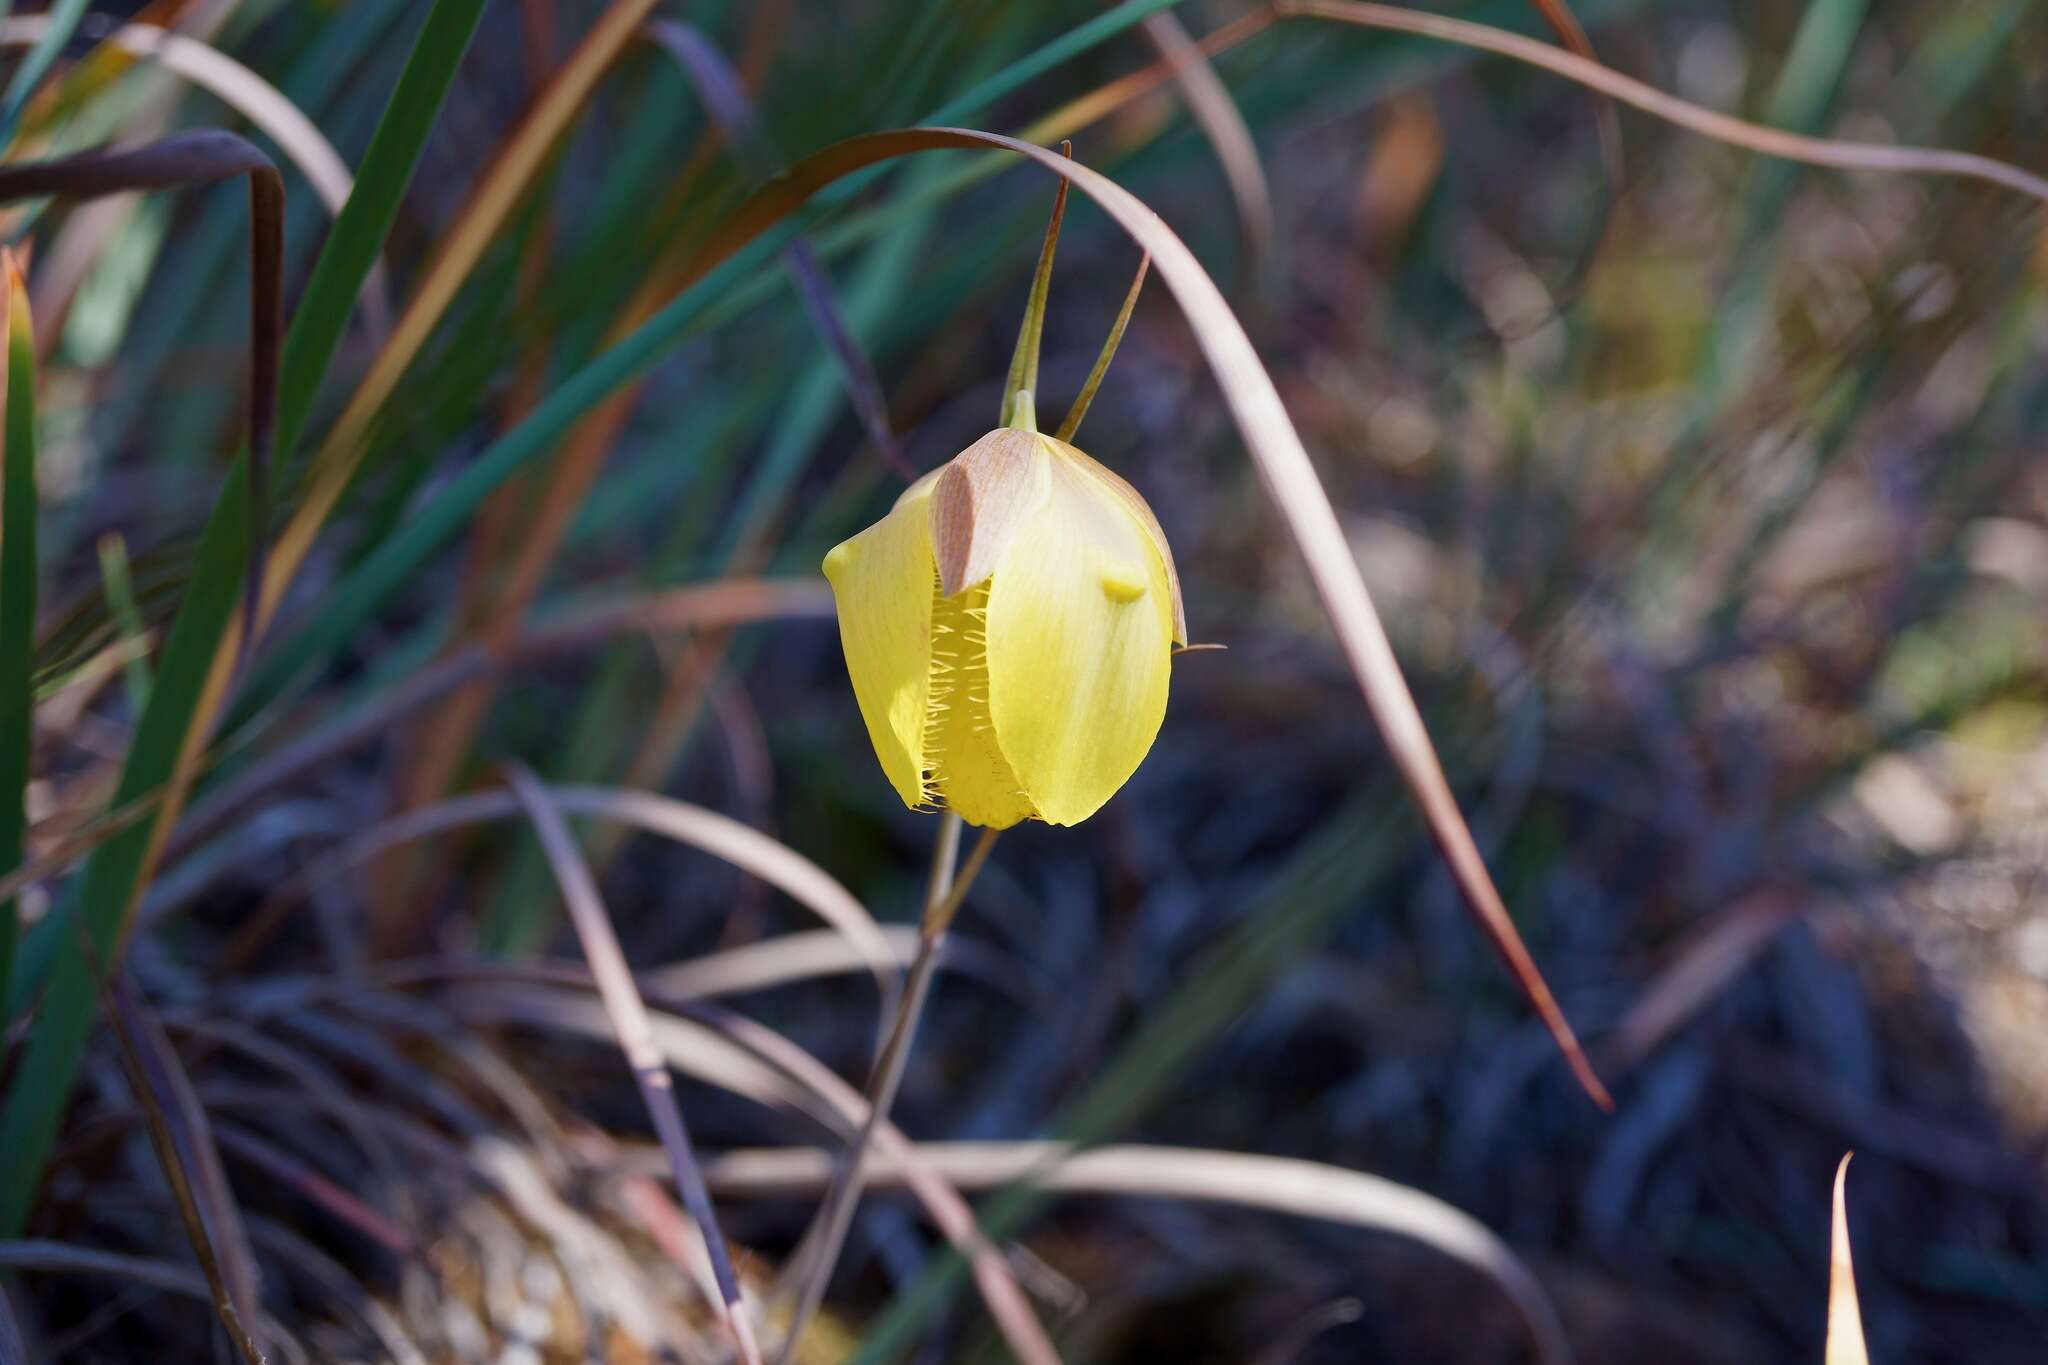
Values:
[(968, 769), (1080, 633), (882, 583), (983, 495), (1135, 503)]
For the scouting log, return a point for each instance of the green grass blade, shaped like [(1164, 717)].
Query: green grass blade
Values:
[(64, 17), (363, 592), (119, 585), (365, 220), (17, 601), (113, 878)]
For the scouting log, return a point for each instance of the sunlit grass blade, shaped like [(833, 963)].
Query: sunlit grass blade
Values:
[(17, 605), (1306, 1189), (635, 1034), (1845, 1316), (1020, 386), (192, 671), (1071, 423)]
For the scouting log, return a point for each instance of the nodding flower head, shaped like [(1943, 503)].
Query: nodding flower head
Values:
[(1009, 627)]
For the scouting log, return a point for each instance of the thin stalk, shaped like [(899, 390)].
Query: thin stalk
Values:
[(827, 1237), (1021, 387), (1072, 422)]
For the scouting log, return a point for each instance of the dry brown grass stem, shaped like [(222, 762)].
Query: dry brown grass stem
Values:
[(1834, 153)]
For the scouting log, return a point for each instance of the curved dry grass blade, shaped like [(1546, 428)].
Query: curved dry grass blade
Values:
[(1834, 153), (1071, 423), (730, 602), (747, 849), (1020, 387), (776, 961), (181, 161), (1305, 1189), (636, 1039), (719, 87), (343, 1205), (1217, 115), (733, 1052), (1845, 1315), (1290, 478), (1710, 959), (18, 512), (255, 99)]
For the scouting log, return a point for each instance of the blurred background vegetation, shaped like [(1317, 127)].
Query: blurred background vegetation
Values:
[(1706, 509)]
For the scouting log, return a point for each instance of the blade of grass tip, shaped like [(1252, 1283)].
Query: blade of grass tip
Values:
[(63, 19), (635, 1033), (181, 161), (192, 673), (1833, 153), (1071, 423), (119, 585), (719, 87), (17, 604), (1845, 1314), (1222, 123), (818, 1254), (1020, 387), (1291, 481)]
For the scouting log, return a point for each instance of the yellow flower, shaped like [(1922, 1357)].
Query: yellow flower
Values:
[(1009, 627)]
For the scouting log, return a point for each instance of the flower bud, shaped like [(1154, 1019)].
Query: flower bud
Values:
[(1009, 628)]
